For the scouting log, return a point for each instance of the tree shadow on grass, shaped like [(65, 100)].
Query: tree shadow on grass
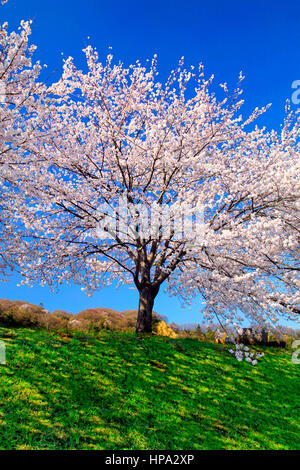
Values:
[(112, 395)]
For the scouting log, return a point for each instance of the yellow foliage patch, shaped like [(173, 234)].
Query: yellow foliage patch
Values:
[(162, 329), (221, 338)]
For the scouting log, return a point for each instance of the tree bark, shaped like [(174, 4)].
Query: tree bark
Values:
[(146, 302)]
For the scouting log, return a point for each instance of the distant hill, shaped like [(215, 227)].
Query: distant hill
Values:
[(18, 312), (6, 304)]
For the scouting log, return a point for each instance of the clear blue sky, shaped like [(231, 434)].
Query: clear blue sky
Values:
[(261, 38)]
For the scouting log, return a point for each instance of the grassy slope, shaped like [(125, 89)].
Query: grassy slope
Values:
[(117, 392)]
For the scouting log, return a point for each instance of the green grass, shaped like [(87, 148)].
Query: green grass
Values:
[(118, 392)]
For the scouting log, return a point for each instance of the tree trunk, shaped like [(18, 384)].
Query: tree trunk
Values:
[(144, 319)]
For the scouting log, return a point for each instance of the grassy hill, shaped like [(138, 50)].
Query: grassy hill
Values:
[(120, 392)]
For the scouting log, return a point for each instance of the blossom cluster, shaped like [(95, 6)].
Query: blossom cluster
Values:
[(242, 352)]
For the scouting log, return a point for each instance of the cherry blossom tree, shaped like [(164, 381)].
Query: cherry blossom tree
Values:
[(115, 133), (18, 104)]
